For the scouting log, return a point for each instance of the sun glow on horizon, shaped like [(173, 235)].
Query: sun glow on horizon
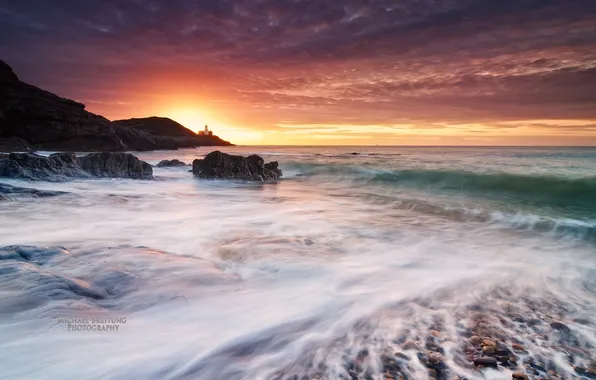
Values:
[(196, 119)]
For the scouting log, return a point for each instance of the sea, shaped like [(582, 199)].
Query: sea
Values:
[(359, 263)]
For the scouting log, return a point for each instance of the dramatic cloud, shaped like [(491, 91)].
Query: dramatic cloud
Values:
[(339, 69)]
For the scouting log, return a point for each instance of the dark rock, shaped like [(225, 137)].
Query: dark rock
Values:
[(218, 165), (62, 166), (560, 326), (273, 167), (14, 144), (56, 167), (8, 192), (587, 372), (486, 361), (6, 73), (170, 163), (34, 119), (519, 376), (120, 165)]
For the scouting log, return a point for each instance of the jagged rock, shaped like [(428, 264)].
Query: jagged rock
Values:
[(218, 165), (170, 163), (121, 165), (8, 192), (56, 167), (62, 166)]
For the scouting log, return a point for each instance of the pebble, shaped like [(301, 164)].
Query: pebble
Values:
[(559, 326), (518, 347), (488, 350), (519, 376), (411, 345), (475, 340), (434, 359), (488, 342), (486, 361), (585, 371), (401, 355)]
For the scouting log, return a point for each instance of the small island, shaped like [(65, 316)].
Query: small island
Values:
[(34, 119)]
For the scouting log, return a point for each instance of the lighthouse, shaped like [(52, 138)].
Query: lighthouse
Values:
[(206, 132)]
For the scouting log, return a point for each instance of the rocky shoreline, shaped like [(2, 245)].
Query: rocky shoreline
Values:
[(59, 167), (533, 339)]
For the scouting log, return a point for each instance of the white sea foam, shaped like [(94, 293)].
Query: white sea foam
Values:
[(224, 280)]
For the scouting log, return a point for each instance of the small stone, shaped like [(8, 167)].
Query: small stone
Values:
[(433, 373), (518, 347), (488, 350), (434, 359), (519, 376), (559, 326), (488, 342), (475, 340), (486, 361), (435, 333), (411, 345), (401, 355)]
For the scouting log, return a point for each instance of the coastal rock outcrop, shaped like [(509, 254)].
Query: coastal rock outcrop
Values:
[(218, 165), (56, 167), (117, 165), (170, 163), (63, 166), (34, 119)]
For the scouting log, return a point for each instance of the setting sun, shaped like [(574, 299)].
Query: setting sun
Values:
[(196, 119)]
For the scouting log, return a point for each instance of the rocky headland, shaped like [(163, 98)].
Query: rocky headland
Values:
[(33, 119)]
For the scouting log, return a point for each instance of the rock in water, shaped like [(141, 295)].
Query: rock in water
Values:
[(487, 361), (121, 165), (170, 163), (8, 192), (62, 166), (56, 167), (218, 165)]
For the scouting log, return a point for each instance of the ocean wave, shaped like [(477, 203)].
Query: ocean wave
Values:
[(557, 190), (563, 228)]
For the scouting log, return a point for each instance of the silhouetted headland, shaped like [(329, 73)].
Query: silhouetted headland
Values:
[(34, 119)]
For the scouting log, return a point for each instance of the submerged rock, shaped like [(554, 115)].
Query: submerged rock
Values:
[(62, 166), (170, 163), (218, 165), (37, 255), (120, 165), (8, 192)]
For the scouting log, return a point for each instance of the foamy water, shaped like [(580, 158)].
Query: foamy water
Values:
[(344, 260)]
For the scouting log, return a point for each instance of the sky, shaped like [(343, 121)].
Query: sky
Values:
[(321, 72)]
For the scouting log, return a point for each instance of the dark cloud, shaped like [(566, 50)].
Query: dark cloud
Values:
[(377, 61)]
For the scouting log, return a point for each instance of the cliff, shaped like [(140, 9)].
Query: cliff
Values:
[(34, 119)]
